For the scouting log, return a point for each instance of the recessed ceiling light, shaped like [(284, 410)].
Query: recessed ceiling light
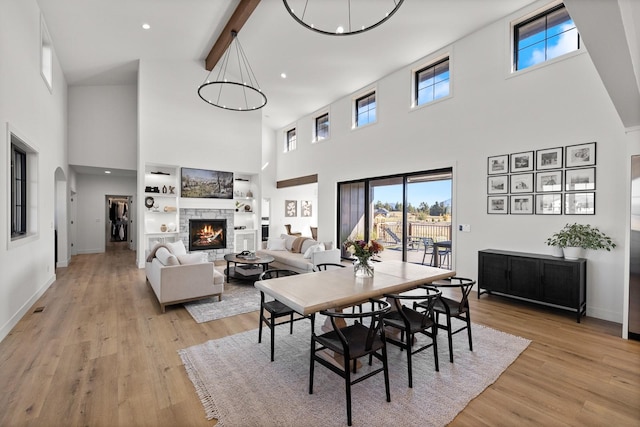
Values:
[(146, 26), (283, 75), (107, 172)]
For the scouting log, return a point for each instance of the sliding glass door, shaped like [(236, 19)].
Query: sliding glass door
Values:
[(406, 213)]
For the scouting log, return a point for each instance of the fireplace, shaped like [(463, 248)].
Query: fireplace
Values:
[(207, 234)]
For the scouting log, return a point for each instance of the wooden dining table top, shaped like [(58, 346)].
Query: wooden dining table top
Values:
[(312, 292)]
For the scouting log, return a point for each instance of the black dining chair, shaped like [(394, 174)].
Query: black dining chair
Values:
[(352, 342), (276, 309), (409, 322), (453, 308), (327, 266)]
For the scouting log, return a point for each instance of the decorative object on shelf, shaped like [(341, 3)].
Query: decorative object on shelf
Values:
[(148, 202), (172, 189), (341, 18), (169, 209), (163, 227), (164, 189), (159, 173), (149, 189), (206, 184), (363, 252), (239, 205), (227, 93), (171, 227), (156, 207), (575, 237), (247, 208), (249, 193)]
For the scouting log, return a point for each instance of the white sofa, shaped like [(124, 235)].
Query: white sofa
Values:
[(289, 253), (177, 277)]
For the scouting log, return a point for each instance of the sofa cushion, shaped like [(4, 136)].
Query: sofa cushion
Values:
[(189, 259), (165, 257), (288, 241), (177, 247), (313, 248), (276, 244), (307, 244)]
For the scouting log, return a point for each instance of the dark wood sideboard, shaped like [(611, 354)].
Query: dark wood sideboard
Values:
[(538, 278)]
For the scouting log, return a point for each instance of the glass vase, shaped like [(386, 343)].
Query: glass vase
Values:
[(363, 268)]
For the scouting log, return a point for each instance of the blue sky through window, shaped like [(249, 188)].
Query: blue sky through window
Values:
[(429, 192)]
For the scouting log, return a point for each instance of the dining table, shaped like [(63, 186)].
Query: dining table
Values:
[(338, 288)]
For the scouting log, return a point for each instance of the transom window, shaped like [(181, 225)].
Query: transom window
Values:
[(18, 192), (432, 82), (290, 143), (322, 127), (544, 37), (365, 109)]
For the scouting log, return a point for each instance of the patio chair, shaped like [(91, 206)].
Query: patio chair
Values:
[(428, 249)]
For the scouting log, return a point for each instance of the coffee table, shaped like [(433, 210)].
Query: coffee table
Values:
[(259, 264)]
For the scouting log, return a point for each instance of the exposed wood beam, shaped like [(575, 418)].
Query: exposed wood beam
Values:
[(309, 179), (240, 16)]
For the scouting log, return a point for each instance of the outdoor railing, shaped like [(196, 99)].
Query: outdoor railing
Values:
[(437, 231)]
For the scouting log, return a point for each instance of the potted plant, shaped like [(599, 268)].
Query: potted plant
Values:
[(575, 237)]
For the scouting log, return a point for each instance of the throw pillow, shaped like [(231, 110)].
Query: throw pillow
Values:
[(306, 244), (177, 248), (315, 248), (165, 257), (276, 244), (288, 241), (190, 259)]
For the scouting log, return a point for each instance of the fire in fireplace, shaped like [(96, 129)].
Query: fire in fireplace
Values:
[(207, 234)]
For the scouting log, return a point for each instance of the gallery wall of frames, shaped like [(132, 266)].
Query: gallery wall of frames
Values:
[(552, 181)]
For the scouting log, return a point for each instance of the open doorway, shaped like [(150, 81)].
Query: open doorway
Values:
[(117, 214)]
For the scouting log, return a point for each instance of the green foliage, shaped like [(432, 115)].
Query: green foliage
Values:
[(581, 235)]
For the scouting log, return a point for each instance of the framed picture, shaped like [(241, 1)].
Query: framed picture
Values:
[(548, 181), (498, 184), (550, 158), (206, 184), (522, 162), (580, 203), (521, 204), (498, 204), (521, 183), (549, 204), (580, 179), (498, 164), (305, 208), (290, 208), (580, 155)]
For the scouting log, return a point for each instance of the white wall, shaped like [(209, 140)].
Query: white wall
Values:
[(103, 126), (40, 117), (91, 207), (490, 113), (177, 128), (298, 223)]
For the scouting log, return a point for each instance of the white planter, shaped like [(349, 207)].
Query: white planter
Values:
[(572, 252), (557, 251)]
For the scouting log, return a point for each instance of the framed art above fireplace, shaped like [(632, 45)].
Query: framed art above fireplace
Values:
[(206, 184)]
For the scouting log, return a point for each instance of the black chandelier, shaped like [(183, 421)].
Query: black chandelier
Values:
[(235, 87), (341, 17)]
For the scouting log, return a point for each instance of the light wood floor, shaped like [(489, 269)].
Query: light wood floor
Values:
[(102, 354)]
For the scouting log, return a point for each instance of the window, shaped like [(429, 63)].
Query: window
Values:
[(46, 55), (290, 142), (432, 82), (321, 130), (365, 109), (18, 192), (544, 37)]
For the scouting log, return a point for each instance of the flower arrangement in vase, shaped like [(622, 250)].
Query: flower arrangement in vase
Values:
[(363, 252)]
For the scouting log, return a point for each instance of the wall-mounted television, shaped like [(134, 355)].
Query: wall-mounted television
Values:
[(206, 184)]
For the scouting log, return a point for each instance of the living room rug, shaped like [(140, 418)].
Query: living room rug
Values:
[(239, 386), (237, 298)]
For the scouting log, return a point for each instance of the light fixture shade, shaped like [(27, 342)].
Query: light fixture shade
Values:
[(341, 17), (231, 84)]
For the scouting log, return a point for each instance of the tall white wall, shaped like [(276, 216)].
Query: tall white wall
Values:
[(91, 207), (177, 128), (103, 126), (40, 117), (490, 113)]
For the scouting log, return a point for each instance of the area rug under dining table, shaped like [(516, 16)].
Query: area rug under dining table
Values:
[(239, 386)]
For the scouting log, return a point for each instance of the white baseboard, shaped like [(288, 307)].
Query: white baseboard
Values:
[(13, 321), (91, 251), (604, 314)]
